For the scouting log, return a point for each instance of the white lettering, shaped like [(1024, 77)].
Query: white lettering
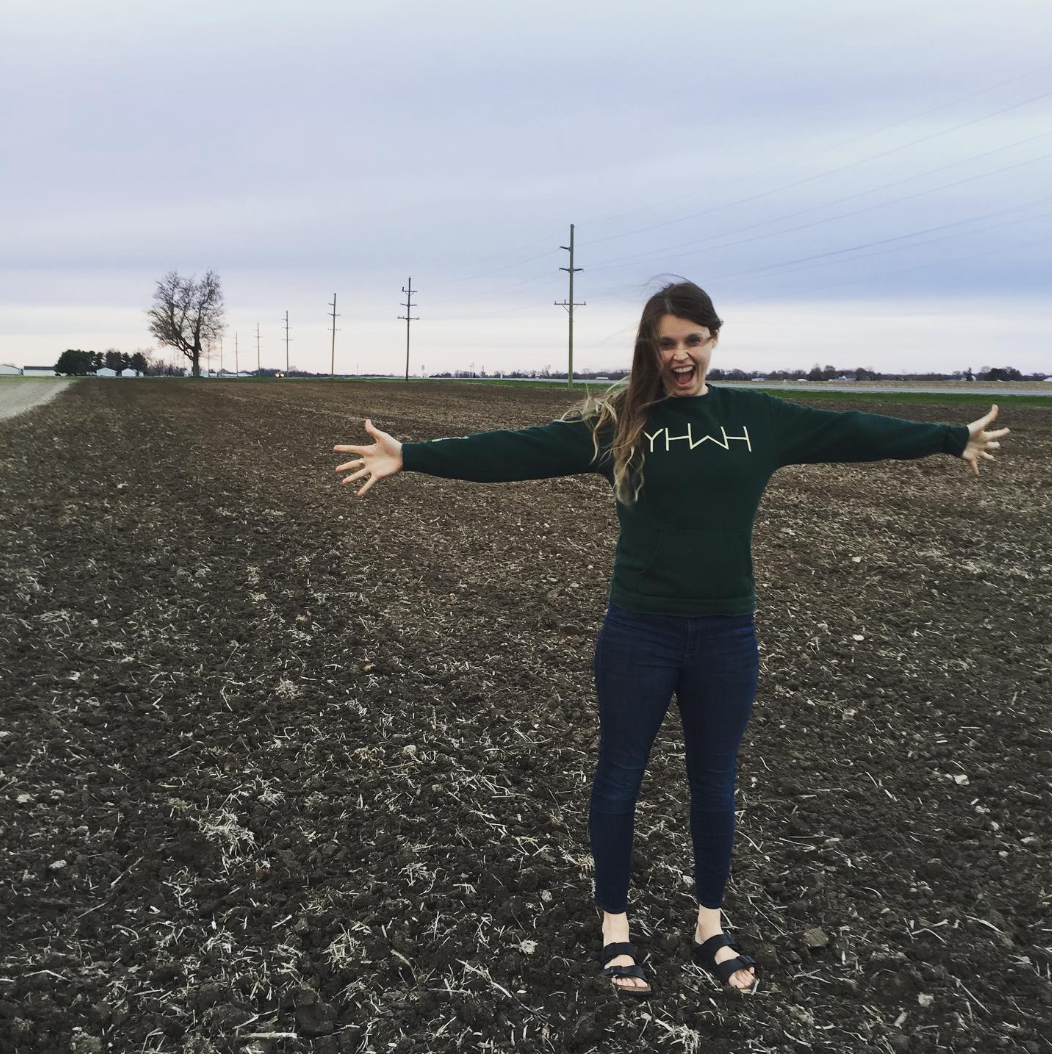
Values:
[(745, 437), (692, 443), (653, 437), (669, 438)]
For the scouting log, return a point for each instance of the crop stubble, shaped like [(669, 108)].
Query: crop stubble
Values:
[(283, 763)]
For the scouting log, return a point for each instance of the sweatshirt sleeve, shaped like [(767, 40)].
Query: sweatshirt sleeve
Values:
[(806, 435), (559, 448)]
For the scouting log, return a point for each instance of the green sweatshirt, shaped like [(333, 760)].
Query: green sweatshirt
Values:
[(686, 547)]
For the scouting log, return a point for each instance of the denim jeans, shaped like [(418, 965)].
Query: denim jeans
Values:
[(711, 664)]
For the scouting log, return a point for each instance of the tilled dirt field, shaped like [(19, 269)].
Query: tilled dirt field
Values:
[(287, 770)]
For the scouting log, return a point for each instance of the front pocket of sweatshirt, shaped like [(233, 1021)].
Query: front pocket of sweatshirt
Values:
[(699, 563)]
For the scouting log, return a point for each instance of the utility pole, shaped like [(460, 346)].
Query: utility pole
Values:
[(332, 368), (220, 354), (286, 344), (259, 368), (408, 305), (570, 305), (237, 371)]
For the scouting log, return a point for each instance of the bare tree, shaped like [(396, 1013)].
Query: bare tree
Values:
[(186, 313)]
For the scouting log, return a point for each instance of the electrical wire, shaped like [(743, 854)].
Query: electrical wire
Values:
[(819, 175), (736, 180), (656, 254), (831, 219)]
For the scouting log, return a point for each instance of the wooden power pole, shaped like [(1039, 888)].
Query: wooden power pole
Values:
[(286, 344), (408, 305), (332, 368), (570, 305)]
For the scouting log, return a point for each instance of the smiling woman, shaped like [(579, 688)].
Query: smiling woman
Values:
[(685, 350), (682, 598)]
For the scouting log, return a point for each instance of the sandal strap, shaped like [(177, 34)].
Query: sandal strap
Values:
[(612, 951), (727, 969), (625, 971), (707, 949)]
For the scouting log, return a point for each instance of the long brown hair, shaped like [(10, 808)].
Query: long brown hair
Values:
[(623, 407)]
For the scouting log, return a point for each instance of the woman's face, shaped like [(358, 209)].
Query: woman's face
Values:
[(682, 343)]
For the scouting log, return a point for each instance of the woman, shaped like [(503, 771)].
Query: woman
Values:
[(682, 595)]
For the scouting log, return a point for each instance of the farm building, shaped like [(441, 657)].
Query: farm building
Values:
[(7, 370), (39, 371), (105, 371)]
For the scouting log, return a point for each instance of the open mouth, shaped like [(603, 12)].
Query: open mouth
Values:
[(684, 377)]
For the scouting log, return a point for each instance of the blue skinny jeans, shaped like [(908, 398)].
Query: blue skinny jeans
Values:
[(711, 664)]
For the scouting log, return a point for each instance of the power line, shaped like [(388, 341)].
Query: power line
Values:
[(899, 238), (820, 175), (545, 276), (818, 153), (885, 274), (885, 241), (495, 270), (654, 254), (838, 216), (736, 180)]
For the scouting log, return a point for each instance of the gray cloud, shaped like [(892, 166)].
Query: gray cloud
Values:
[(345, 146)]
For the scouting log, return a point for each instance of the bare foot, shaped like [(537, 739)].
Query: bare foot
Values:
[(710, 924), (615, 930)]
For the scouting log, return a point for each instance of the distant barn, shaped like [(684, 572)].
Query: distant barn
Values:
[(7, 370), (39, 371)]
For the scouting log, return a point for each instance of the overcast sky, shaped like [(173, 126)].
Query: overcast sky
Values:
[(861, 184)]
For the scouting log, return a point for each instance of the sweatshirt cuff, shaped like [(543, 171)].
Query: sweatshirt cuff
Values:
[(956, 439), (411, 457)]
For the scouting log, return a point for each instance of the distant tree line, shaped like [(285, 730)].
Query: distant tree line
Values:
[(815, 373), (75, 362)]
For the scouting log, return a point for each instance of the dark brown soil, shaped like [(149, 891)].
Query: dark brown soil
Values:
[(287, 770)]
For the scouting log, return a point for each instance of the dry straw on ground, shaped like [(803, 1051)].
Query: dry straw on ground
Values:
[(284, 770)]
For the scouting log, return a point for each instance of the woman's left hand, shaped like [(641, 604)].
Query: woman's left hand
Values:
[(979, 442)]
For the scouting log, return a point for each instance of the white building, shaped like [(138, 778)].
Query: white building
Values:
[(39, 371), (7, 370), (105, 371)]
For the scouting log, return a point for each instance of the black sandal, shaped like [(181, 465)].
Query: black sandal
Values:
[(612, 951), (705, 956)]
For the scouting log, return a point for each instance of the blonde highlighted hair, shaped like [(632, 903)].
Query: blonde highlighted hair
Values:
[(621, 411)]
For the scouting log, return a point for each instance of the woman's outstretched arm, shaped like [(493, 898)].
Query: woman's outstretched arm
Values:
[(558, 448), (806, 435)]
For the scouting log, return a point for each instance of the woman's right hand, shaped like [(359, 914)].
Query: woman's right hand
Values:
[(383, 458)]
